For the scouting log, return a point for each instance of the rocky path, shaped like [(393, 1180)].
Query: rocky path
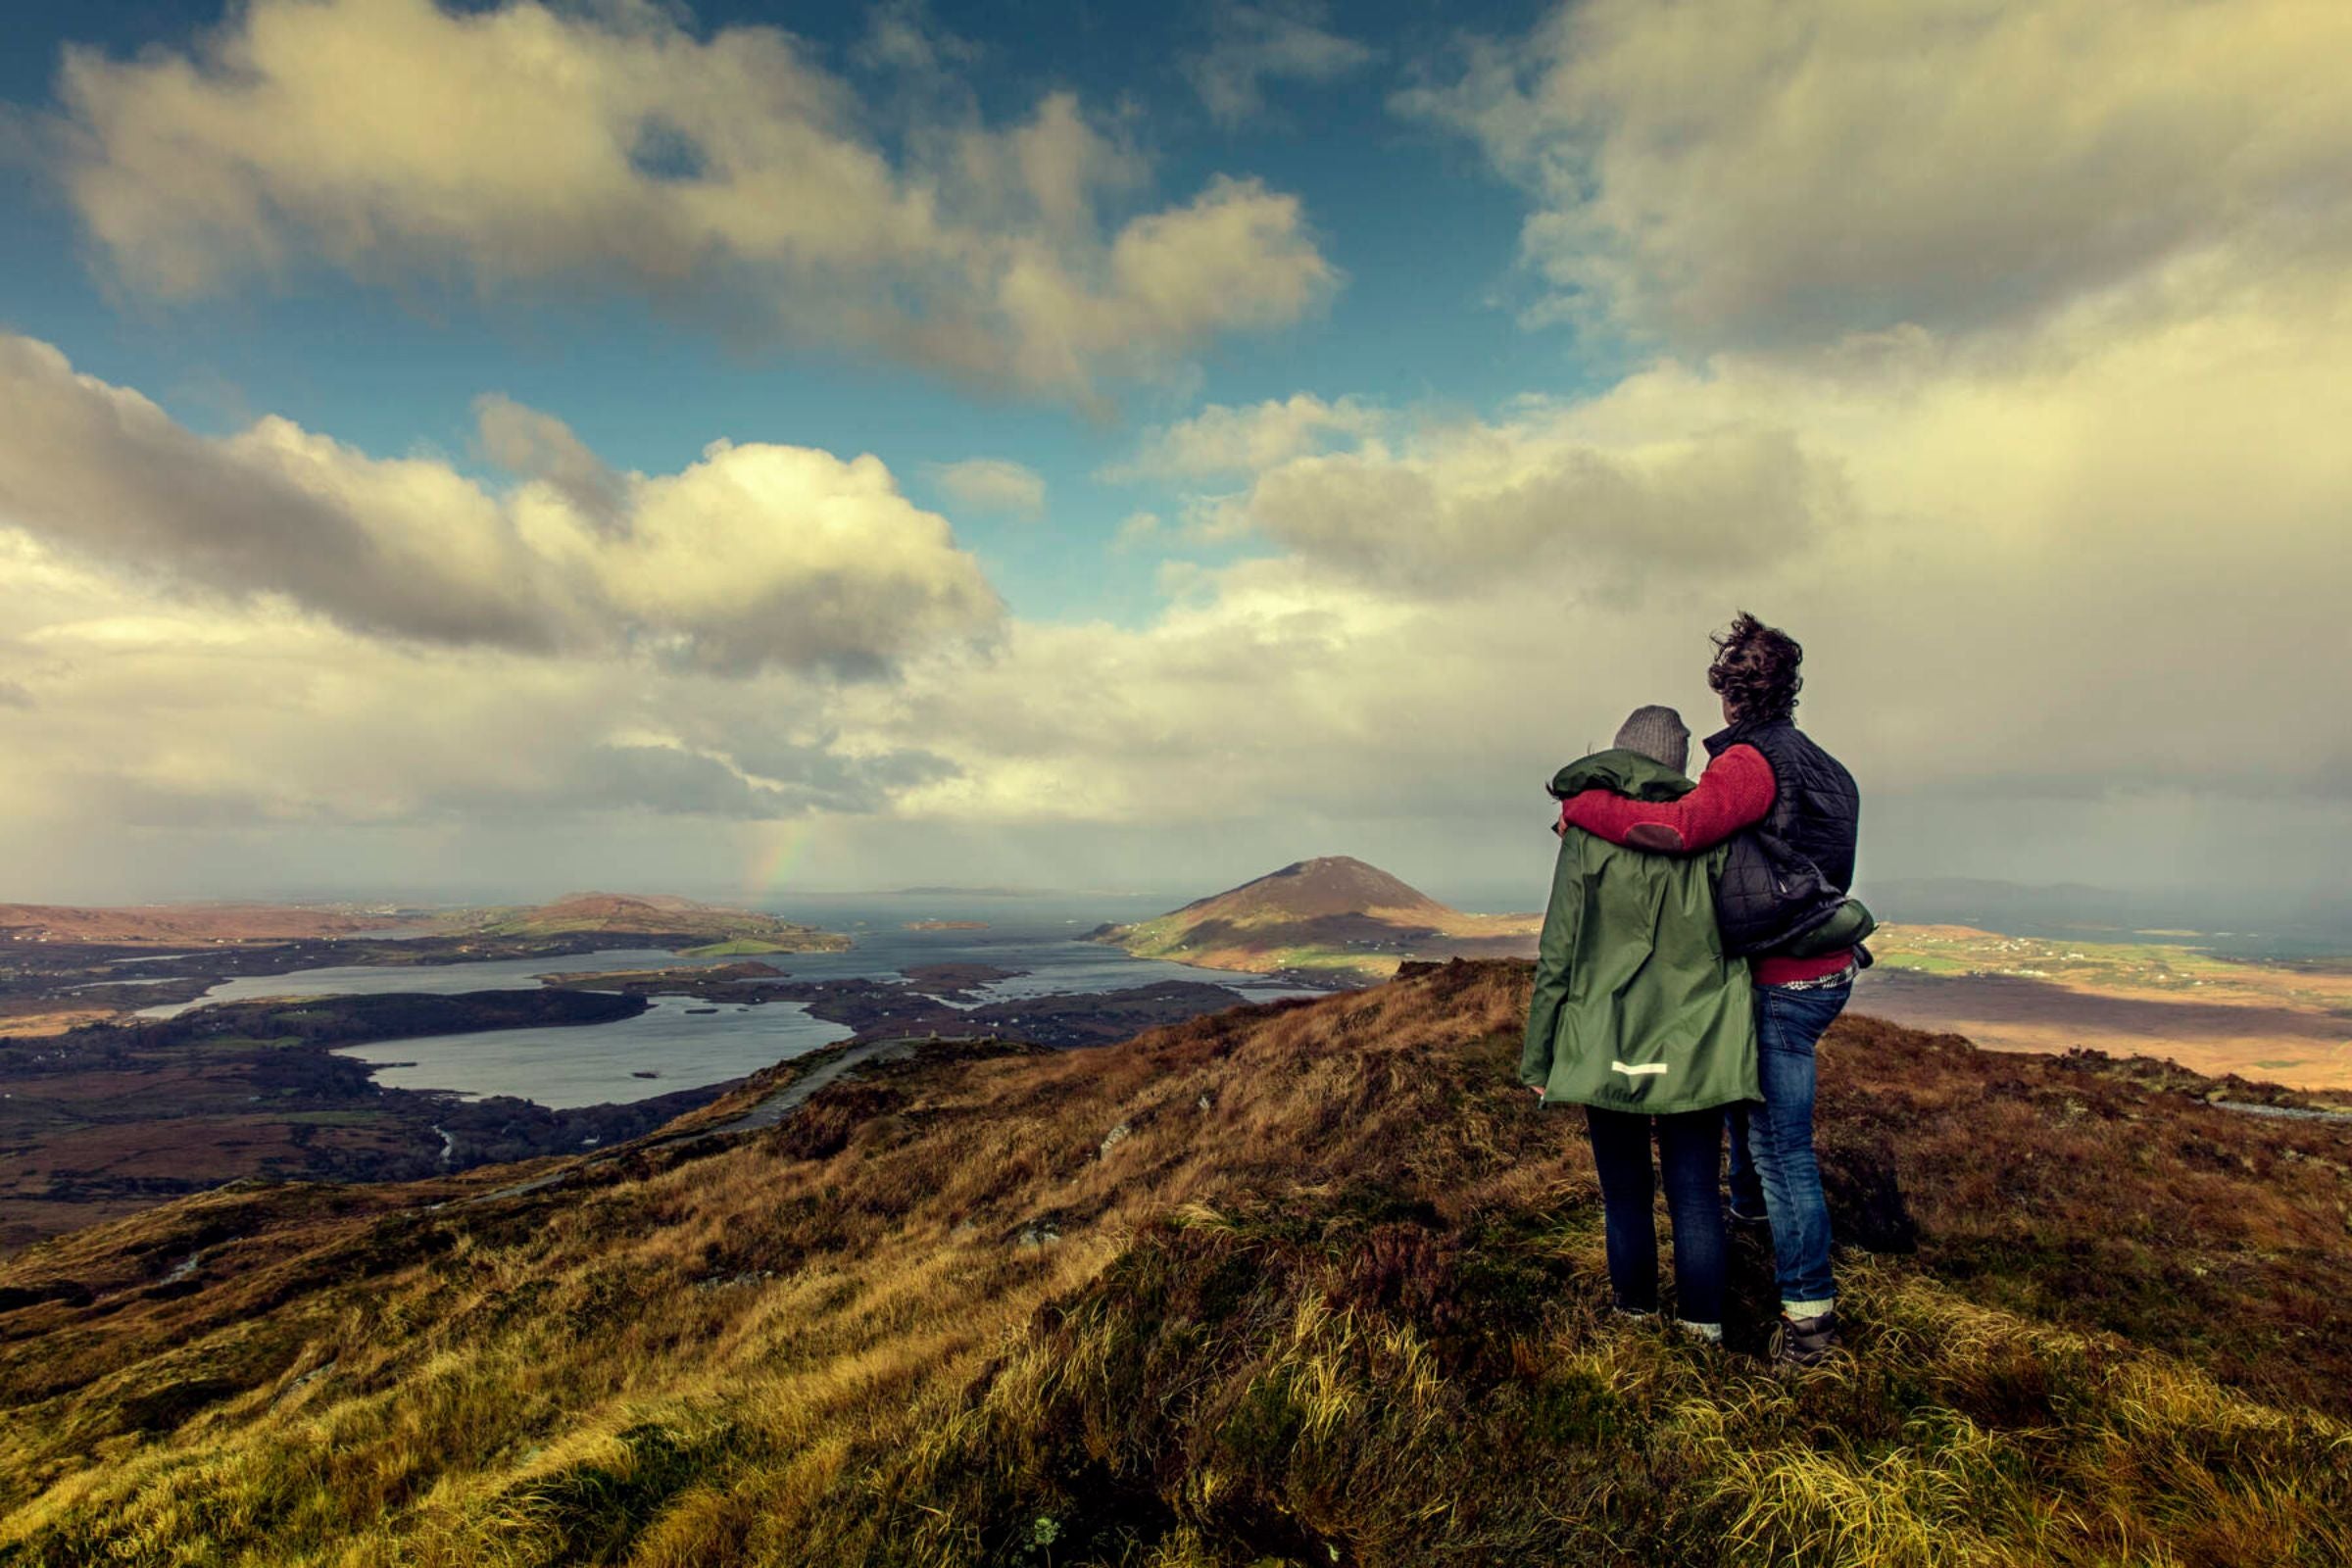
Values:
[(770, 1109), (774, 1107)]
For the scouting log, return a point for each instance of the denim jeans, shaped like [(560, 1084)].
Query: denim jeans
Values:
[(1772, 1167), (1691, 1153)]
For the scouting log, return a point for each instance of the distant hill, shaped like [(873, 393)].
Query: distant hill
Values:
[(674, 920), (188, 924), (1309, 1284), (1335, 913)]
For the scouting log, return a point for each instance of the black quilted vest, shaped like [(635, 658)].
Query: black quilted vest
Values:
[(1785, 875)]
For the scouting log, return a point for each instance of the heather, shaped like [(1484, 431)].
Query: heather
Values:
[(1311, 1283)]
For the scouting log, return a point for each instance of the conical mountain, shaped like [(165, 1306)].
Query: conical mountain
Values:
[(1329, 884), (1334, 915)]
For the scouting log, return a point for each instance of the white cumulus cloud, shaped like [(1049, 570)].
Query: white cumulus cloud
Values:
[(757, 554), (528, 143), (1771, 172)]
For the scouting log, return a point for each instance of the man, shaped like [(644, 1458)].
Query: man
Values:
[(1639, 1016), (1789, 812)]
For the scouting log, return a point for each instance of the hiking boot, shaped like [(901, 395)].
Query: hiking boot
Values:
[(1804, 1341)]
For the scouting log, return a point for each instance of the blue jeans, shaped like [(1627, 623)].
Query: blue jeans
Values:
[(1690, 1154), (1772, 1167)]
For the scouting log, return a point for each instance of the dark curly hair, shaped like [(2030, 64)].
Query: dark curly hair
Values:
[(1755, 671)]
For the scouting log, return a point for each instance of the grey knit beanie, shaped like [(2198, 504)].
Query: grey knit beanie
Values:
[(1657, 733)]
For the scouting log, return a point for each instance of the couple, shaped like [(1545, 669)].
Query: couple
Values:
[(1698, 941)]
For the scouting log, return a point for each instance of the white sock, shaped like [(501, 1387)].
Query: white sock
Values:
[(1801, 1311), (1712, 1333)]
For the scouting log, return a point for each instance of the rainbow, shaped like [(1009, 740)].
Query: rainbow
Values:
[(776, 852)]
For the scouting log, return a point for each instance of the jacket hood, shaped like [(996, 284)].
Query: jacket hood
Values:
[(1624, 772)]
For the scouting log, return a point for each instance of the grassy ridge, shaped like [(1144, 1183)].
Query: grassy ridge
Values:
[(738, 946), (1268, 946), (1311, 1284), (674, 920)]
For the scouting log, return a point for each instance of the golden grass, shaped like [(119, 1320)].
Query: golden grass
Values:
[(1337, 1297)]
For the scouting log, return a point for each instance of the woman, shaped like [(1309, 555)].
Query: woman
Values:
[(1641, 1018)]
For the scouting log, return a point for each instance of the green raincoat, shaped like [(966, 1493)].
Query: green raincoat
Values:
[(1635, 1006)]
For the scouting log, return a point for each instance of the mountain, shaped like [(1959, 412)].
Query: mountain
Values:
[(1313, 1283), (670, 919), (1335, 914)]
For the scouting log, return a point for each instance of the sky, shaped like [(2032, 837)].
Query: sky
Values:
[(501, 448)]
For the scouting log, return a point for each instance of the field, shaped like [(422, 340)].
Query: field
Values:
[(2286, 1021), (1307, 1284)]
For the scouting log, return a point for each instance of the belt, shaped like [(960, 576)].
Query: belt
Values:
[(1843, 977)]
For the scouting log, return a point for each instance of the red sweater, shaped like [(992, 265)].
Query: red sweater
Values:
[(1736, 791)]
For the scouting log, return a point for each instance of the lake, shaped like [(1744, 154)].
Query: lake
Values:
[(595, 1064)]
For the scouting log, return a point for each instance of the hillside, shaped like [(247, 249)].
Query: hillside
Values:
[(676, 921), (1313, 1283), (2288, 1020), (1336, 916), (188, 924)]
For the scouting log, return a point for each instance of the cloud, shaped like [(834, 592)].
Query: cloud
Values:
[(532, 445), (527, 145), (1253, 44), (2108, 568), (903, 35), (992, 484), (1766, 175), (665, 776), (2040, 455), (1468, 506), (756, 554), (2078, 604), (163, 715), (1223, 441)]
